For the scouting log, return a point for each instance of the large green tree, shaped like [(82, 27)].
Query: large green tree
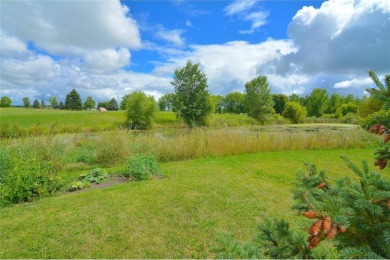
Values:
[(280, 101), (233, 103), (141, 111), (192, 94), (258, 99), (89, 103), (73, 101), (5, 102), (316, 102), (26, 102)]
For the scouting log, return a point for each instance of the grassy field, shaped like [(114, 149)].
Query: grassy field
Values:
[(174, 217), (20, 122)]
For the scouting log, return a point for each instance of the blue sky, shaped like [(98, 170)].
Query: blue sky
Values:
[(108, 49)]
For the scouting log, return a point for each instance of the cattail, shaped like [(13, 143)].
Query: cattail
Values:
[(327, 224), (332, 233), (321, 185), (310, 214), (314, 241), (316, 227)]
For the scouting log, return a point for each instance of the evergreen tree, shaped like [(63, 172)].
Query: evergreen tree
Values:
[(26, 102), (382, 92), (113, 105), (43, 104), (192, 102), (258, 99), (36, 104), (61, 105), (73, 101)]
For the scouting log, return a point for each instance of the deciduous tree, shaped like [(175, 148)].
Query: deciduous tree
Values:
[(295, 112), (89, 103), (258, 99), (316, 102), (26, 102), (192, 94), (5, 102)]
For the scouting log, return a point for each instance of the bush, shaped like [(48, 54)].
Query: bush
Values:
[(141, 167), (96, 175), (27, 180), (295, 112), (141, 111)]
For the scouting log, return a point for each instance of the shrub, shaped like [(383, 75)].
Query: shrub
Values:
[(141, 167), (78, 185), (96, 175), (141, 111), (295, 112), (28, 180)]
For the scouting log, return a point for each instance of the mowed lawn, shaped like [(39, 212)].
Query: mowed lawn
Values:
[(174, 217)]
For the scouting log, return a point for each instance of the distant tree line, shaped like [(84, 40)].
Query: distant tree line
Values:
[(193, 103)]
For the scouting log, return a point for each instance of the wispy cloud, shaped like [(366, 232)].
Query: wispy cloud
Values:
[(171, 36), (239, 6)]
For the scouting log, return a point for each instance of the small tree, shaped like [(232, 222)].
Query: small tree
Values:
[(124, 102), (113, 105), (347, 108), (280, 101), (61, 105), (166, 102), (258, 99), (26, 102), (192, 95), (316, 102), (53, 102), (73, 101), (5, 102), (89, 103), (43, 104), (140, 110), (233, 103), (295, 112), (36, 104)]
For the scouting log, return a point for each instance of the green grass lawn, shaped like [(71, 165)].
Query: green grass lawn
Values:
[(174, 217)]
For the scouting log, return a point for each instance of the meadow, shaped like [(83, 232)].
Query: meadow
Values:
[(224, 179)]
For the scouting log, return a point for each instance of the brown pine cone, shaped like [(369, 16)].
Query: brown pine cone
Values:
[(327, 224), (321, 185), (343, 229), (383, 164), (310, 214), (388, 204), (314, 241), (381, 130), (332, 233), (374, 128), (316, 227), (387, 138)]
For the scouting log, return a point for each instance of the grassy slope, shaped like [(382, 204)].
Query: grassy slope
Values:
[(175, 217)]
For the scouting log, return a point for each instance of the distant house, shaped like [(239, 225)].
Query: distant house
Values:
[(102, 109)]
